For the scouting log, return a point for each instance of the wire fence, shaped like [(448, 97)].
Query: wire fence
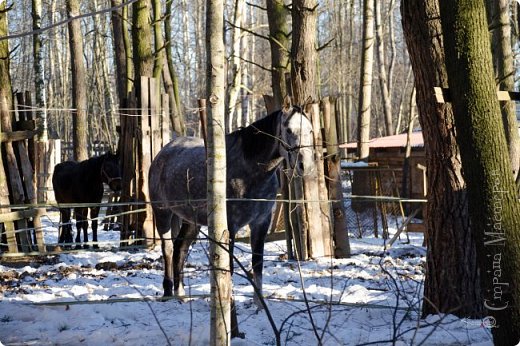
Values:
[(358, 223)]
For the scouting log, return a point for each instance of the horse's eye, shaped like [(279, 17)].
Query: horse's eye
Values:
[(289, 131)]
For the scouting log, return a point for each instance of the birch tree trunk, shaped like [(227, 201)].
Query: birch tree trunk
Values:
[(365, 92), (220, 332), (39, 86), (79, 84), (493, 200), (383, 77)]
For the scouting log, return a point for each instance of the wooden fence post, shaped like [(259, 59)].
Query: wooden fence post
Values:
[(333, 169), (320, 239)]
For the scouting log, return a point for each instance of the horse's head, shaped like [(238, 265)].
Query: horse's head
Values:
[(296, 138), (111, 172)]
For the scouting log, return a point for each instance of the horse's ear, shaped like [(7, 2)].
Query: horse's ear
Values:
[(287, 104)]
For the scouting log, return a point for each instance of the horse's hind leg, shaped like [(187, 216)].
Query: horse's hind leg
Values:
[(94, 212), (187, 235), (163, 222), (65, 229), (258, 235)]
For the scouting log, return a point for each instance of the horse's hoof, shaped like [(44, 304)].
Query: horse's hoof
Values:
[(180, 292)]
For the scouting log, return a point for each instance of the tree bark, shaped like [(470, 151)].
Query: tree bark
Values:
[(172, 83), (365, 92), (383, 77), (217, 220), (119, 50), (303, 51), (142, 42), (79, 84), (233, 118), (493, 201), (143, 59), (279, 42), (450, 242), (39, 86), (505, 74)]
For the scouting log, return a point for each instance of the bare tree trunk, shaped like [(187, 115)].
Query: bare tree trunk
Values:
[(303, 50), (505, 74), (217, 219), (365, 92), (143, 65), (158, 40), (236, 67), (449, 239), (200, 87), (128, 53), (186, 43), (383, 77), (79, 84), (277, 16), (172, 83), (142, 42), (350, 87), (39, 85), (119, 51), (493, 199)]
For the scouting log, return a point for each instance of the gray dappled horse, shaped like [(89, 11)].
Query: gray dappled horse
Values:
[(82, 182), (177, 185)]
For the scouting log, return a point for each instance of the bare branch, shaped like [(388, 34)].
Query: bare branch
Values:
[(326, 44), (247, 30)]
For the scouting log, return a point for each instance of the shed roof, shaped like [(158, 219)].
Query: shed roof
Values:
[(396, 141)]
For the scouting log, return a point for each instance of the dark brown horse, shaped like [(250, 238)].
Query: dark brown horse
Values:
[(82, 182)]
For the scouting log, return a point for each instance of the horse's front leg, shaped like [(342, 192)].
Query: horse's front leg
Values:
[(81, 224), (65, 230), (258, 235), (186, 236), (94, 212)]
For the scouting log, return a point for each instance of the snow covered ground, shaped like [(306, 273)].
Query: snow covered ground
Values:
[(371, 298)]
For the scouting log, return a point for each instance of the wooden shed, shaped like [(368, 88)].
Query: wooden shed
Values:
[(388, 155)]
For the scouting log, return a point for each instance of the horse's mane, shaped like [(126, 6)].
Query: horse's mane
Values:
[(257, 139), (93, 161)]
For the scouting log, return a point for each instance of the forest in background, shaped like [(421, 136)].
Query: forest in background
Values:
[(339, 37)]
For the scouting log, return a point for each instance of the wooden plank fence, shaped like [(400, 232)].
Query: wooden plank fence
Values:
[(21, 228), (145, 129)]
